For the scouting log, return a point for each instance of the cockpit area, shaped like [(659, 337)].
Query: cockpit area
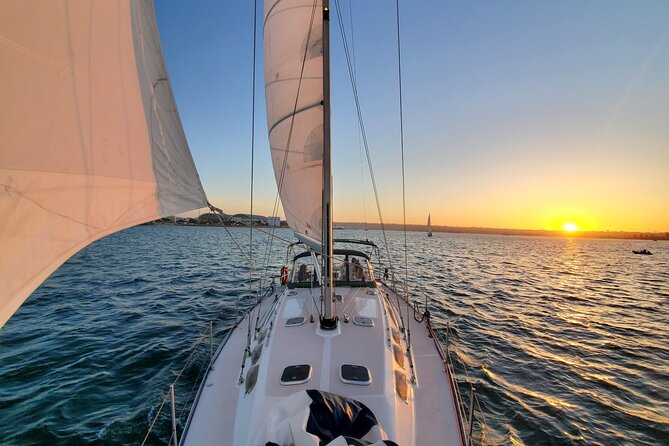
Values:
[(351, 268)]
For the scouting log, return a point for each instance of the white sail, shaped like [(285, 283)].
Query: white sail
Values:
[(91, 139), (293, 43)]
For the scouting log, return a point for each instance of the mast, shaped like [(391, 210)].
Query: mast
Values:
[(328, 320)]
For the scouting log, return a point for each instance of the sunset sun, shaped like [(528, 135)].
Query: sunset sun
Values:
[(570, 227)]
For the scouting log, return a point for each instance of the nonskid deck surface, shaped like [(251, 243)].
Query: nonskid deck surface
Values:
[(225, 414)]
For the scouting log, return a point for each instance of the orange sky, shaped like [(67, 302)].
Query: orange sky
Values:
[(516, 114)]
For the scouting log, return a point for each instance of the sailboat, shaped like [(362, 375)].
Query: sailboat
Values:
[(429, 226), (336, 355)]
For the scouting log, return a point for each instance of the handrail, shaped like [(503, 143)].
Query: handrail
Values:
[(475, 415), (472, 421), (212, 354), (170, 393)]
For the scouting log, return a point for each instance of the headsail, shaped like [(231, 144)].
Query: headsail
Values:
[(91, 139), (293, 44)]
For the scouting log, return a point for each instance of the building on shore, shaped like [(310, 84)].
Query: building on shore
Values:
[(245, 219)]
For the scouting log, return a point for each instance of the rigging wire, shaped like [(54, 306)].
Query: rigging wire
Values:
[(369, 160), (404, 209), (160, 408), (253, 139), (197, 381), (217, 212), (361, 124), (401, 110), (155, 418), (362, 170)]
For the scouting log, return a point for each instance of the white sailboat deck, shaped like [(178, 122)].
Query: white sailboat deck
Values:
[(225, 414)]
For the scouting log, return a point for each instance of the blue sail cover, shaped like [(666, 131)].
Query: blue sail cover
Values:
[(332, 416), (317, 418)]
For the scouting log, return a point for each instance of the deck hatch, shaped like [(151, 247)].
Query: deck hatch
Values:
[(398, 354), (355, 374), (363, 321), (396, 335), (392, 315), (296, 374), (401, 386), (295, 321), (256, 353), (251, 379)]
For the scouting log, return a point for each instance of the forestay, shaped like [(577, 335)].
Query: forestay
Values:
[(293, 45), (91, 139)]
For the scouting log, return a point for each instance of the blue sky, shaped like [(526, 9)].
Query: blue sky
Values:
[(517, 113)]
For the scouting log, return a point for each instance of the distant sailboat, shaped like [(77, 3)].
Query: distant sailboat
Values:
[(429, 226)]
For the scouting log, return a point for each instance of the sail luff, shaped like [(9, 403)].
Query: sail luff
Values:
[(91, 139)]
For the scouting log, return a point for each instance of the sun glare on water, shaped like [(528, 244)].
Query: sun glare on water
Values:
[(570, 227)]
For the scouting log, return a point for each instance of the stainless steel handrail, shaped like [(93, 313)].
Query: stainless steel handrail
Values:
[(474, 411)]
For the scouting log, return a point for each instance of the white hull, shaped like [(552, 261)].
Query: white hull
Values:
[(225, 414)]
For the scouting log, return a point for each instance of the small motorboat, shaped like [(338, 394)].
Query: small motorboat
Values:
[(644, 252)]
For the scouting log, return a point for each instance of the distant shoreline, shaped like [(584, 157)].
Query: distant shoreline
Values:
[(620, 235)]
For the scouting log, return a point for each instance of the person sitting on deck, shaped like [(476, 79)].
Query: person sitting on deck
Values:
[(361, 271), (342, 270), (356, 270), (302, 274)]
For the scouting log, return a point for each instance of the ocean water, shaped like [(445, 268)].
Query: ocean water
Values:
[(565, 339)]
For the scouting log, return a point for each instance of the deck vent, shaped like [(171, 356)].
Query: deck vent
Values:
[(401, 386), (371, 292), (251, 379), (261, 335), (338, 297), (295, 321), (296, 374), (392, 315), (398, 354), (363, 321), (293, 293), (396, 335), (355, 374), (256, 353)]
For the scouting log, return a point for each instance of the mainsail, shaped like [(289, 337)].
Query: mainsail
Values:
[(91, 139), (293, 45)]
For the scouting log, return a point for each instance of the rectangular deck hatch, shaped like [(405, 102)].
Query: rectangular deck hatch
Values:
[(295, 321), (355, 374), (296, 374), (363, 321)]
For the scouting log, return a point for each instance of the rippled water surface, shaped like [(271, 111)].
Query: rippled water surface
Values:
[(567, 340)]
